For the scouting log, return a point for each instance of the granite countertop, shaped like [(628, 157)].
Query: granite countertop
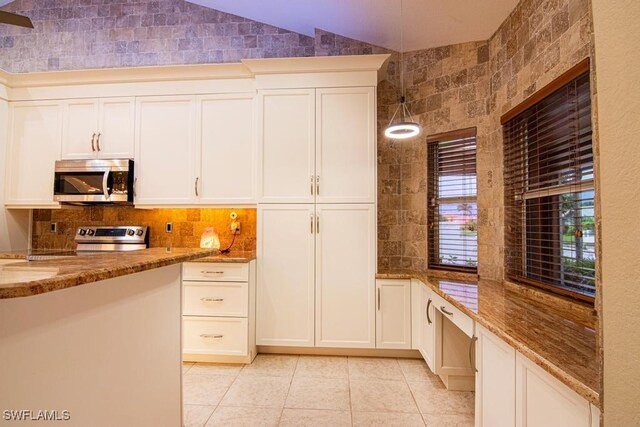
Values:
[(233, 257), (22, 279), (558, 335)]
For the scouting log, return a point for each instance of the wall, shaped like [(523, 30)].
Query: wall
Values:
[(71, 35), (618, 100), (14, 224), (188, 225)]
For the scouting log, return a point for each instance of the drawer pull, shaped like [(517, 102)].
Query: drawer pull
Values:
[(211, 272), (444, 310), (211, 299), (215, 336)]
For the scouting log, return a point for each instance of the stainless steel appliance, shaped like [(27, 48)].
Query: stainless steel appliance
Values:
[(93, 181), (91, 240)]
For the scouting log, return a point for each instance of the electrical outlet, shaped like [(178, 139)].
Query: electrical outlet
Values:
[(235, 227), (54, 227), (168, 227)]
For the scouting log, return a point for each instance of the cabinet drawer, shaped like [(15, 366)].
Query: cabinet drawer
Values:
[(229, 299), (461, 320), (216, 272), (215, 335)]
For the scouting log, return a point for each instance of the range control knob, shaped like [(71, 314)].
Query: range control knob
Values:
[(130, 232), (82, 231), (91, 232), (139, 232)]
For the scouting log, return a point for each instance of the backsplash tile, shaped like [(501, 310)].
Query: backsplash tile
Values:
[(188, 225)]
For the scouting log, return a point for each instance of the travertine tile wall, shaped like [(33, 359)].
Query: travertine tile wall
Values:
[(188, 225), (81, 34), (448, 88)]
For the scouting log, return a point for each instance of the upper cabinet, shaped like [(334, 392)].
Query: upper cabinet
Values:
[(98, 128), (35, 138), (286, 130), (165, 151), (345, 145), (226, 149), (317, 145)]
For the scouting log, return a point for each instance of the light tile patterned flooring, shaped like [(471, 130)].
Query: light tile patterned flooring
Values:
[(321, 391)]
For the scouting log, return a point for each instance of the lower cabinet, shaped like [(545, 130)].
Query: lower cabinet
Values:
[(495, 381), (511, 390), (393, 314), (316, 275), (218, 312)]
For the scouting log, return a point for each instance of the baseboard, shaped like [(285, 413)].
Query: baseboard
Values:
[(322, 351)]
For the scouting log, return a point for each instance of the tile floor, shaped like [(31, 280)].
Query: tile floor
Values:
[(321, 391)]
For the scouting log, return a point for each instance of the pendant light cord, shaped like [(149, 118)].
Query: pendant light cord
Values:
[(402, 55)]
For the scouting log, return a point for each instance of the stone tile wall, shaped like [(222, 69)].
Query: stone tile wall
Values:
[(448, 88), (188, 225)]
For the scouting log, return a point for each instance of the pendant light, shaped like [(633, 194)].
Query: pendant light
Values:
[(404, 127)]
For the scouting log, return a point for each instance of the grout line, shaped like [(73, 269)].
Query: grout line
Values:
[(350, 396), (211, 414)]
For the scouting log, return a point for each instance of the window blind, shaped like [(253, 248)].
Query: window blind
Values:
[(549, 192), (452, 201)]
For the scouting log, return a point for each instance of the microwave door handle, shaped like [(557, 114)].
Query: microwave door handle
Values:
[(105, 182)]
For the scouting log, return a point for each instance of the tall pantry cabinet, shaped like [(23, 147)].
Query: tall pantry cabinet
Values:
[(317, 217)]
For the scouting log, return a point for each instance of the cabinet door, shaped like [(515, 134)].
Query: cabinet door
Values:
[(543, 401), (80, 128), (346, 145), (393, 318), (345, 276), (35, 139), (428, 331), (226, 149), (495, 381), (165, 145), (286, 131), (285, 305), (116, 128)]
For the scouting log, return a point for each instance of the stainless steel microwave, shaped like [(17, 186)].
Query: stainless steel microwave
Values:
[(93, 181)]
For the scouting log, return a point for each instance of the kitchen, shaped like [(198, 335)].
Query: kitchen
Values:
[(354, 291)]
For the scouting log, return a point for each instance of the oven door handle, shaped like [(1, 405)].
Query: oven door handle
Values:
[(105, 184)]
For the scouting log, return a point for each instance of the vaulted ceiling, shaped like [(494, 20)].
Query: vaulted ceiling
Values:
[(427, 23)]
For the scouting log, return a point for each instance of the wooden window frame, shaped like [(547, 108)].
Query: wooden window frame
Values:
[(587, 185), (432, 204)]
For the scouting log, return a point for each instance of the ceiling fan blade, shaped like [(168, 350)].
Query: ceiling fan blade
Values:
[(13, 19)]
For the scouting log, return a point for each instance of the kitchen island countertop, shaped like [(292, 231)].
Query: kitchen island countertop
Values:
[(23, 279)]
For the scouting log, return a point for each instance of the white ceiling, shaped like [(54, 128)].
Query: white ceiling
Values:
[(428, 23)]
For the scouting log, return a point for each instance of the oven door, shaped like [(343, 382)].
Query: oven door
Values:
[(92, 181)]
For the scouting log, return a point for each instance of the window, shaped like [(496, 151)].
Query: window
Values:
[(452, 201), (549, 191)]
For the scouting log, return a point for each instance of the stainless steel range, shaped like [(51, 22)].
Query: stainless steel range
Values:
[(91, 240), (120, 238)]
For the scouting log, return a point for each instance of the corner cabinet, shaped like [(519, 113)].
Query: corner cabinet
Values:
[(393, 314), (35, 137)]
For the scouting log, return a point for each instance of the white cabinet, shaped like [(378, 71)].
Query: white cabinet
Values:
[(98, 128), (286, 131), (345, 145), (226, 149), (285, 311), (317, 145), (218, 310), (427, 336), (34, 146), (513, 390), (393, 318), (543, 401), (495, 381), (345, 275), (165, 146)]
